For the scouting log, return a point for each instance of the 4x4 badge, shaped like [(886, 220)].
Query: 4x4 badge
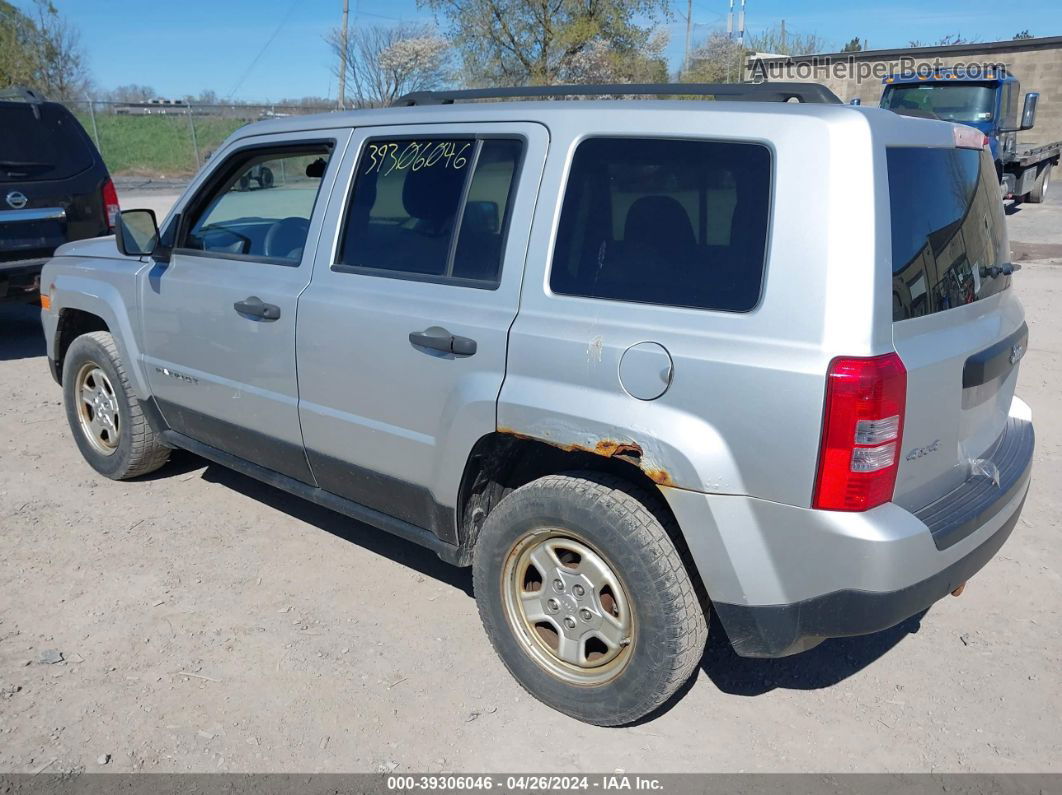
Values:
[(16, 200), (919, 452)]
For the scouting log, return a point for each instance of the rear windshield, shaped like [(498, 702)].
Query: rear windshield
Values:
[(51, 147), (680, 223), (947, 229)]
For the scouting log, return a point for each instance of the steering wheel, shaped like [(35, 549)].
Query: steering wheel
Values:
[(286, 236)]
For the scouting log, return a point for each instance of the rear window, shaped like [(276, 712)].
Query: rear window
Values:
[(947, 229), (51, 147), (680, 223)]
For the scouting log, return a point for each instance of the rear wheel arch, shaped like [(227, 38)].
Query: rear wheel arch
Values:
[(500, 463)]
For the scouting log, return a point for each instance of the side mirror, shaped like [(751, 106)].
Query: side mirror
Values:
[(1028, 113), (137, 234), (856, 101)]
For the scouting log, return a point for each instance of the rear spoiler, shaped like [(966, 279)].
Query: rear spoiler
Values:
[(735, 92)]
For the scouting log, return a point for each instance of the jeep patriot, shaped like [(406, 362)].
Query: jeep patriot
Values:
[(631, 360)]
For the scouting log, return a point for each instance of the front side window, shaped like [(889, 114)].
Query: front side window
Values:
[(261, 206), (680, 223), (431, 208)]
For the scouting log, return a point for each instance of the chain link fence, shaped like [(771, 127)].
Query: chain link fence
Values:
[(164, 139)]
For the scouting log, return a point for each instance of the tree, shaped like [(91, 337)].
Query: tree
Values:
[(600, 62), (18, 57), (944, 41), (520, 42), (716, 59), (131, 93), (855, 45), (384, 63), (777, 40), (62, 68), (1025, 34)]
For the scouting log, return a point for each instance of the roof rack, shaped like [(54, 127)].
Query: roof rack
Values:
[(23, 94), (740, 92)]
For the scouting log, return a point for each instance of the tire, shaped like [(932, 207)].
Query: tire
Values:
[(265, 177), (1039, 191), (609, 522), (126, 447)]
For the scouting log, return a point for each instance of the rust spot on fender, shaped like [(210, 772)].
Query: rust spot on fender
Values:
[(659, 476), (630, 452)]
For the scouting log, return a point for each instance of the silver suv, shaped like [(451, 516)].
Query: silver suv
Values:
[(630, 360)]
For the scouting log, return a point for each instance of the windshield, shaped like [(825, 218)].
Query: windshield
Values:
[(964, 102)]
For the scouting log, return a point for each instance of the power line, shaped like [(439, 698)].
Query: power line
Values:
[(265, 47)]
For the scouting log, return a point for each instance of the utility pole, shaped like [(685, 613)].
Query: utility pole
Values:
[(689, 36), (783, 49), (344, 39)]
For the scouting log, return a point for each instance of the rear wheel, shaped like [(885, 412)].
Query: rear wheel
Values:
[(1039, 191), (584, 596), (110, 428)]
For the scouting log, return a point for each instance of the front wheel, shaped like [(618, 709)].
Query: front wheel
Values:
[(114, 435), (1039, 191), (585, 597)]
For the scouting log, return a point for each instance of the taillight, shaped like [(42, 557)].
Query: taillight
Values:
[(862, 431), (110, 205)]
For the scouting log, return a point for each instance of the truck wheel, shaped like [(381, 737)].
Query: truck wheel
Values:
[(585, 597), (1039, 191), (110, 428)]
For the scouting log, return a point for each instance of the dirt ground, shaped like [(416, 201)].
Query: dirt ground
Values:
[(206, 622)]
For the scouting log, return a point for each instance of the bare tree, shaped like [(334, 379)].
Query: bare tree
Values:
[(944, 41), (384, 63), (778, 40), (716, 59), (131, 93), (63, 68)]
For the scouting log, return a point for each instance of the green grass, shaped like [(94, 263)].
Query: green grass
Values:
[(156, 145)]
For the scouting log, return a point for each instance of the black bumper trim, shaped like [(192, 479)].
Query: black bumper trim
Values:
[(781, 630), (970, 506)]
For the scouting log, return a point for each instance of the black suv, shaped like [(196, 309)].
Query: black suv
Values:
[(54, 188)]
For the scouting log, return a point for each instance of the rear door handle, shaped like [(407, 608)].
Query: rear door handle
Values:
[(437, 338), (255, 307)]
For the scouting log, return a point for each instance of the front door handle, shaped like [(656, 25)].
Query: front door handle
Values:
[(255, 307), (439, 339)]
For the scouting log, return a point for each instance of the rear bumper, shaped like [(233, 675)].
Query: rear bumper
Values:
[(783, 579), (21, 280)]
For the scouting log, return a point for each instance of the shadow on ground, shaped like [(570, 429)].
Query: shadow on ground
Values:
[(827, 664), (377, 541), (21, 335)]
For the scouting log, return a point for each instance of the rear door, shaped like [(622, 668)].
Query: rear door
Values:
[(218, 319), (957, 325), (403, 331)]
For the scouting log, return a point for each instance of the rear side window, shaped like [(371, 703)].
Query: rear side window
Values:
[(681, 223), (947, 229), (432, 209), (51, 147)]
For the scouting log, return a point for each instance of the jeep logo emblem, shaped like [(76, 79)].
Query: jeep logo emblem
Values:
[(16, 200)]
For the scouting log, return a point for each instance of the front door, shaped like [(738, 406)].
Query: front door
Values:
[(218, 319), (402, 333)]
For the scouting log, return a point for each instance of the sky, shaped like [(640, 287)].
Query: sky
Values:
[(263, 50)]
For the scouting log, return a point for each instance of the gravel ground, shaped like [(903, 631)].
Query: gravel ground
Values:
[(204, 622)]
